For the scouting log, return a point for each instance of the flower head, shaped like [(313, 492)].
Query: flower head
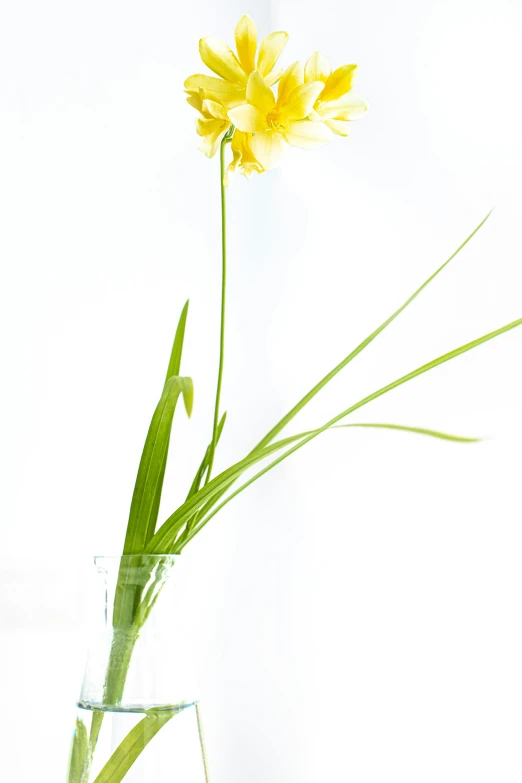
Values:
[(285, 119), (337, 104), (228, 88), (313, 102)]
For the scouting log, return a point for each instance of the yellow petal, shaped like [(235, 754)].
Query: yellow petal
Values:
[(301, 101), (221, 59), (273, 76), (267, 147), (195, 99), (246, 42), (210, 127), (214, 109), (339, 82), (248, 118), (306, 134), (340, 127), (243, 157), (350, 107), (317, 68), (238, 146), (293, 77), (269, 51), (210, 144), (259, 94), (215, 89), (212, 132)]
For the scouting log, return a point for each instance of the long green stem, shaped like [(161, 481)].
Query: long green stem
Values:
[(223, 303)]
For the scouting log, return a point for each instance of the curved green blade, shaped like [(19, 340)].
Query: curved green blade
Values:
[(133, 745), (327, 378), (141, 518), (177, 347), (384, 390)]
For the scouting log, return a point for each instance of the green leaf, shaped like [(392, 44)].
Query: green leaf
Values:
[(167, 540), (177, 347), (327, 378), (173, 369), (415, 430), (80, 762), (203, 468), (133, 745), (205, 461), (384, 390), (301, 436), (141, 523), (164, 541)]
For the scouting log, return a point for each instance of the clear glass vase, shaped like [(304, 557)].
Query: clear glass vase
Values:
[(138, 717)]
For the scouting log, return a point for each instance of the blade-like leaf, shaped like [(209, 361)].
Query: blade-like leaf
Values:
[(205, 461), (164, 540), (404, 379), (327, 378), (415, 430), (177, 347), (301, 436), (141, 520), (173, 369), (80, 762), (133, 745)]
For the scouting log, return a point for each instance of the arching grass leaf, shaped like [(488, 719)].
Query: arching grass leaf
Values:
[(384, 390), (133, 745), (327, 378), (141, 520)]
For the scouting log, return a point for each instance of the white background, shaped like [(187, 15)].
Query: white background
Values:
[(359, 610)]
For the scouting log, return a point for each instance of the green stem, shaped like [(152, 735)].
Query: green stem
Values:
[(224, 143)]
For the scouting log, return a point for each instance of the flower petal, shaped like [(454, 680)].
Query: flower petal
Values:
[(215, 89), (248, 118), (317, 68), (210, 126), (306, 134), (212, 132), (267, 147), (243, 157), (340, 127), (269, 51), (301, 101), (339, 82), (273, 76), (293, 77), (195, 99), (214, 109), (221, 59), (259, 94), (246, 42), (210, 144), (350, 107)]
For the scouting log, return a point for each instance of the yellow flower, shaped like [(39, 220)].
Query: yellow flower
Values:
[(274, 122), (228, 88), (243, 156), (337, 104), (212, 125)]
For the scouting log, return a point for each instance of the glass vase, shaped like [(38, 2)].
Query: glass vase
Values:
[(138, 717)]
